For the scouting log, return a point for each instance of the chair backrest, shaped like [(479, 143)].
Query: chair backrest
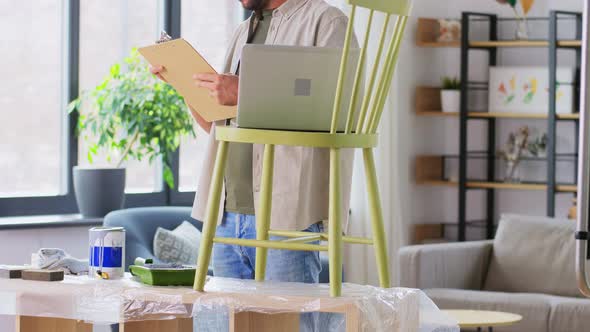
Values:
[(376, 90)]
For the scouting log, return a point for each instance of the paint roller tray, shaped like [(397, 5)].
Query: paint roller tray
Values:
[(164, 274)]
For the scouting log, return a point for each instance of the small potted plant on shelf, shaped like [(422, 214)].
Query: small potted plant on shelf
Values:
[(450, 94), (129, 115)]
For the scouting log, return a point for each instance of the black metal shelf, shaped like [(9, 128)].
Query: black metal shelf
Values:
[(564, 157), (502, 115), (491, 45)]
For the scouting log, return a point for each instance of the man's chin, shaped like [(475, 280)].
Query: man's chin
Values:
[(247, 4), (253, 4)]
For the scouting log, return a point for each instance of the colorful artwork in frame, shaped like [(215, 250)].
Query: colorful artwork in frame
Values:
[(526, 90)]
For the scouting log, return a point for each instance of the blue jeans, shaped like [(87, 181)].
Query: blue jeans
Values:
[(233, 261), (239, 262)]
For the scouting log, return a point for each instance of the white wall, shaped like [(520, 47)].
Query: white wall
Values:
[(426, 135), (18, 245)]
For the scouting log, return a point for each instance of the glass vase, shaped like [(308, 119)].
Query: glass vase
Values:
[(512, 172), (522, 29)]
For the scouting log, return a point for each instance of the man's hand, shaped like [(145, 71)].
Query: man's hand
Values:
[(157, 70), (224, 87)]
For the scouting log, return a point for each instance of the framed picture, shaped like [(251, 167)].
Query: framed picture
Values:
[(526, 90)]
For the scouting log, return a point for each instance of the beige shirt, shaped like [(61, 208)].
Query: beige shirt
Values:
[(301, 175)]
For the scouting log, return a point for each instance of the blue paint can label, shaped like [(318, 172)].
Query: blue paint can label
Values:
[(107, 251)]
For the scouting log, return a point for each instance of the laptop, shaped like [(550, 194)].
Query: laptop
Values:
[(292, 87)]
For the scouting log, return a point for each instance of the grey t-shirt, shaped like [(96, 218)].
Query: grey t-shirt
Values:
[(238, 171)]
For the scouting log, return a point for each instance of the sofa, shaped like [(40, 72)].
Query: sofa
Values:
[(527, 269), (141, 224)]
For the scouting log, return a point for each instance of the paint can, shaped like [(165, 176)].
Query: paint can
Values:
[(107, 252)]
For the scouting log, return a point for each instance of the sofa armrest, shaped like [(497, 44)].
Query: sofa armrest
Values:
[(461, 265)]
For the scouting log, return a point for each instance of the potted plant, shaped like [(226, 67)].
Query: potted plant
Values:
[(450, 95), (130, 114)]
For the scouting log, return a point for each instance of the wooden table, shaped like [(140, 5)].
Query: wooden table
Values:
[(481, 319), (74, 304)]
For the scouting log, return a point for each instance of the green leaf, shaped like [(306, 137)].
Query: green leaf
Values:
[(73, 106), (168, 176), (115, 69), (93, 149), (509, 100), (528, 97), (450, 83)]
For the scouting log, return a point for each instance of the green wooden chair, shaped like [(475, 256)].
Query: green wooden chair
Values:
[(362, 137)]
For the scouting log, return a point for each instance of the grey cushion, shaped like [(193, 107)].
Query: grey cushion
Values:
[(534, 308), (533, 255), (180, 245), (569, 314), (447, 265)]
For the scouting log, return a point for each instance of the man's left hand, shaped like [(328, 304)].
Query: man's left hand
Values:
[(224, 87)]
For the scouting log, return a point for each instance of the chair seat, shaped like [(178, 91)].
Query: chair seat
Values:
[(295, 138)]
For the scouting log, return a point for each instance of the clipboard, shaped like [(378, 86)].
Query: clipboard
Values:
[(182, 61)]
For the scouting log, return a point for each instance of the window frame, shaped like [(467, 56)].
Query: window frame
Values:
[(66, 203)]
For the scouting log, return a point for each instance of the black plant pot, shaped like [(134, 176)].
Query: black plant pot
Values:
[(99, 190)]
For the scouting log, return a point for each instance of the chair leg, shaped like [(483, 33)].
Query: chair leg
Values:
[(210, 223), (264, 209), (335, 226), (379, 241)]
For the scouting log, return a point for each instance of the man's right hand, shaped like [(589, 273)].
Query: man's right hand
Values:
[(157, 70)]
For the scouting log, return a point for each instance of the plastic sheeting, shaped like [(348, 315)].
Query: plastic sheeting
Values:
[(123, 300)]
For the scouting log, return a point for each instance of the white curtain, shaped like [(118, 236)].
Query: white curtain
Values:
[(359, 260)]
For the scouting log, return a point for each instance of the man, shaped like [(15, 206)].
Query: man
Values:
[(300, 188)]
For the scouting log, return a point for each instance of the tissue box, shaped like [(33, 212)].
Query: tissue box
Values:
[(526, 90)]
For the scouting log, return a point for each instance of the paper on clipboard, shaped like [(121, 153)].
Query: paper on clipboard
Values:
[(181, 62)]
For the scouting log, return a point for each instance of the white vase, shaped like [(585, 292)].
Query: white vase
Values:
[(450, 100)]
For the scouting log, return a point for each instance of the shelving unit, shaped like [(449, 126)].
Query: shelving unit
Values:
[(427, 105), (498, 115), (565, 188), (507, 115), (438, 44), (437, 113), (522, 43), (501, 43)]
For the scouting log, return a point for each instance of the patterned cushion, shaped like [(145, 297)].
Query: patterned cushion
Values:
[(180, 245)]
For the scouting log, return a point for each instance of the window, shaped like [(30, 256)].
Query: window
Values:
[(192, 153), (31, 102), (208, 26), (55, 49), (109, 30)]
